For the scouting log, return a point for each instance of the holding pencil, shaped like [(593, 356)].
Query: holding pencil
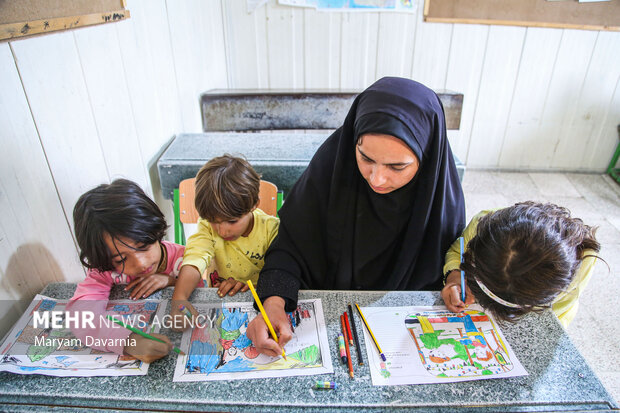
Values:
[(262, 311), (142, 333)]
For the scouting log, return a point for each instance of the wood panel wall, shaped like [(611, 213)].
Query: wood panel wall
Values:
[(83, 107)]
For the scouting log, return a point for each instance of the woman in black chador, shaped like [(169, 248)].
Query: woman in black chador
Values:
[(377, 208)]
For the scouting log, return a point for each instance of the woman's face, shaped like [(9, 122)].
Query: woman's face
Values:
[(385, 162)]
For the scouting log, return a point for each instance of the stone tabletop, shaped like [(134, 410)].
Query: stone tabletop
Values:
[(559, 378)]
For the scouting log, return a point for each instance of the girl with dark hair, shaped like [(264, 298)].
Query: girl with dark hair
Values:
[(376, 209), (524, 258), (120, 231)]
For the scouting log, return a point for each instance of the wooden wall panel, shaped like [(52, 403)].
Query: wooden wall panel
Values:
[(36, 246), (195, 25), (431, 52), (566, 83), (358, 50), (599, 103), (467, 51), (246, 45), (53, 80), (321, 46), (521, 142), (106, 86), (395, 44), (497, 84)]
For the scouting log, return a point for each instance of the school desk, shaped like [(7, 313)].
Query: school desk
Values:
[(559, 378)]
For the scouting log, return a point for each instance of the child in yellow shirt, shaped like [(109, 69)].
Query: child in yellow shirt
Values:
[(232, 232), (522, 258)]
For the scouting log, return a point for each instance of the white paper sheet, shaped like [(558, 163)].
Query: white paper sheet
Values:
[(26, 350), (432, 345), (217, 347)]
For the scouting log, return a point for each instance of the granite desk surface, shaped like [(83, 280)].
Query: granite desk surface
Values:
[(559, 378)]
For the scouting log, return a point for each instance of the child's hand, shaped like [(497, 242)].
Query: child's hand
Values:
[(230, 287), (148, 350), (145, 286), (180, 321), (451, 293)]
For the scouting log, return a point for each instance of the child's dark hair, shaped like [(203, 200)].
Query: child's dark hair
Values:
[(526, 254), (120, 209), (226, 188)]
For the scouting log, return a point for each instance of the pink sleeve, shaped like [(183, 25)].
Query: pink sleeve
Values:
[(175, 257), (92, 295)]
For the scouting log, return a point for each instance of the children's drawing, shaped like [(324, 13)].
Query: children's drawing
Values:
[(458, 345), (55, 351), (217, 347), (434, 345)]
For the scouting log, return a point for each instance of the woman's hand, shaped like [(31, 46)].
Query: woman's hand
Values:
[(451, 293), (148, 350), (145, 286), (258, 332), (229, 286)]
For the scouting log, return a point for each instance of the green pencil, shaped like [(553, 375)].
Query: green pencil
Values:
[(142, 333)]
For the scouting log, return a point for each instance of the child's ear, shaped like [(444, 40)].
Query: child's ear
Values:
[(255, 205)]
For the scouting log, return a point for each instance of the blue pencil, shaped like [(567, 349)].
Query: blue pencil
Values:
[(462, 272)]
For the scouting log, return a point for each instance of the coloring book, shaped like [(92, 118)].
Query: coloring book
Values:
[(34, 348), (434, 345), (217, 347)]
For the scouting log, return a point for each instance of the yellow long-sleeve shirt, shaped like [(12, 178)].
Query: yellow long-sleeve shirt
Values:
[(242, 258), (565, 305)]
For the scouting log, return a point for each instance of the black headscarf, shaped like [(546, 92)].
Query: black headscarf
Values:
[(337, 233)]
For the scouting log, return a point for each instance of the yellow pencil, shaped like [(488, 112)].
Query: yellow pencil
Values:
[(370, 331), (262, 311)]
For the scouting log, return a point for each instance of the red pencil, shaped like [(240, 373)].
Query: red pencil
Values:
[(346, 345), (346, 323)]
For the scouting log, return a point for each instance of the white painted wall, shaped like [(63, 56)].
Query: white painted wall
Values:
[(83, 107)]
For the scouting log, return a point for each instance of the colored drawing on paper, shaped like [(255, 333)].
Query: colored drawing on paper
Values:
[(218, 349), (57, 352), (432, 345), (354, 5), (458, 345)]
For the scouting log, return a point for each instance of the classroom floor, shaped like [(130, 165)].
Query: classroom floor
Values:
[(595, 199)]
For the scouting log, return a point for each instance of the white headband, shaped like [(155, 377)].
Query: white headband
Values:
[(494, 297)]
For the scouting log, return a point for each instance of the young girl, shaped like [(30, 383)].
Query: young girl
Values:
[(524, 258), (119, 231)]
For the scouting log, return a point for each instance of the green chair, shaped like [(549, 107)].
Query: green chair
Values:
[(611, 169)]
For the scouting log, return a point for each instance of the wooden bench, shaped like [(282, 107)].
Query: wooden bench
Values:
[(277, 131)]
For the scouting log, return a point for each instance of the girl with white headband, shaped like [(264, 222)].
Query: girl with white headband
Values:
[(523, 258)]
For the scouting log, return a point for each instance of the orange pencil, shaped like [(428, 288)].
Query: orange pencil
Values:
[(346, 323), (346, 345)]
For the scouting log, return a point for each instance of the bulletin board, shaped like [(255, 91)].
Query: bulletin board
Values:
[(598, 15), (19, 18)]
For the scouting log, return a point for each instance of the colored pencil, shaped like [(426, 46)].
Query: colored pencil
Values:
[(370, 331), (341, 349), (462, 240), (346, 323), (262, 311), (142, 333), (346, 345), (360, 360)]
